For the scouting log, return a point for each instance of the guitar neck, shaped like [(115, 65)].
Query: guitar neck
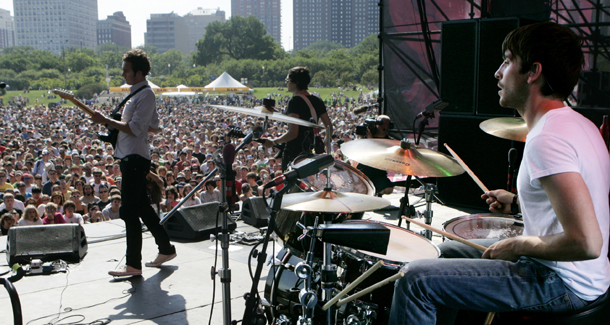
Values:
[(82, 106)]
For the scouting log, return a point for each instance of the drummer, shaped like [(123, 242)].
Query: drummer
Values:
[(379, 177), (300, 139), (560, 264)]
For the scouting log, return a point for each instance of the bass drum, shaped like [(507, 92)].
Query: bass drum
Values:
[(344, 178)]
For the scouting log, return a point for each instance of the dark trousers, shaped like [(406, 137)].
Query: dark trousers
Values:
[(135, 204)]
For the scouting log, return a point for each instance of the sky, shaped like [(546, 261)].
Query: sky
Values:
[(138, 11)]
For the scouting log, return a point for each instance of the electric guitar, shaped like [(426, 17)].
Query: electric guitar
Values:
[(113, 133)]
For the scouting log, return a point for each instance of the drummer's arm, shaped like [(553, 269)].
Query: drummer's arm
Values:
[(327, 122), (581, 238)]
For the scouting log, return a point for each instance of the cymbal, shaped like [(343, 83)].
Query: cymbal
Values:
[(332, 202), (511, 128), (401, 157), (262, 112)]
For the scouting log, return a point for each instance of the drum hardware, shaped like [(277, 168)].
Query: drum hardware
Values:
[(373, 237), (510, 128)]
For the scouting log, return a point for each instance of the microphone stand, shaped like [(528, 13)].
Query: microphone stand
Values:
[(225, 272), (252, 299)]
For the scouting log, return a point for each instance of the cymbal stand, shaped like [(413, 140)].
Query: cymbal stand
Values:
[(304, 270), (251, 315)]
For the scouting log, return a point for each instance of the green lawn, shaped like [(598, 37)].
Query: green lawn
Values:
[(258, 92)]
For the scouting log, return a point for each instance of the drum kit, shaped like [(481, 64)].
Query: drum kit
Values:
[(328, 251)]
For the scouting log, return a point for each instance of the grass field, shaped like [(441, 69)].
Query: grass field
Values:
[(41, 95)]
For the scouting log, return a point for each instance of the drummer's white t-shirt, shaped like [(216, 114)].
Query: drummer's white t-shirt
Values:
[(565, 141)]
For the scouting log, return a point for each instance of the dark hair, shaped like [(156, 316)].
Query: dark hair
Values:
[(139, 61), (555, 47), (300, 76)]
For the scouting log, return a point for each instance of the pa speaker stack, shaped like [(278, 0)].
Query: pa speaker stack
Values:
[(471, 52)]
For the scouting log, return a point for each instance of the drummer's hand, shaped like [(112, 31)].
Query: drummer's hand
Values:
[(267, 143), (505, 249), (499, 200)]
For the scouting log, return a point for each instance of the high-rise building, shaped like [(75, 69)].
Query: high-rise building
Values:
[(114, 29), (269, 12), (337, 21), (197, 20), (7, 29), (55, 25), (166, 32)]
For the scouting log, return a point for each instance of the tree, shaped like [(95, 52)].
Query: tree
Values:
[(79, 61), (238, 38)]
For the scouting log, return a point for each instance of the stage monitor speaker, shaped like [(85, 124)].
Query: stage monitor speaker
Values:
[(196, 222), (485, 154), (254, 212), (47, 243), (458, 65)]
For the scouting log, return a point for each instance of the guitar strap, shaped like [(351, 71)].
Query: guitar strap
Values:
[(118, 108)]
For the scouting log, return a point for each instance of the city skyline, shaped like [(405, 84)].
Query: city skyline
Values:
[(138, 11)]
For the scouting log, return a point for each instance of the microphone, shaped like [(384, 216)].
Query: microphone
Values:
[(512, 158), (303, 169), (2, 85), (361, 109), (228, 156), (432, 108)]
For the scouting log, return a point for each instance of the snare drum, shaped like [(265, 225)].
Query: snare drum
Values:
[(484, 225), (405, 246), (344, 178)]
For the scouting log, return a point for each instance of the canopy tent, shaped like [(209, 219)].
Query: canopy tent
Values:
[(179, 93), (226, 83), (125, 88)]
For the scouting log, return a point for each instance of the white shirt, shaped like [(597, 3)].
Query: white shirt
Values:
[(76, 218), (565, 141), (140, 112)]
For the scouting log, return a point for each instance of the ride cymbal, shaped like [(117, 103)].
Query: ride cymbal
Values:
[(332, 202), (511, 128), (262, 112), (401, 157)]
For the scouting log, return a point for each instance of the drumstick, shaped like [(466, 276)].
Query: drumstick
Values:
[(446, 234), (463, 164), (353, 285), (371, 288)]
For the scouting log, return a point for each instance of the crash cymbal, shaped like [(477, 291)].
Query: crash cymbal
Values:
[(511, 128), (401, 157), (263, 112), (332, 202)]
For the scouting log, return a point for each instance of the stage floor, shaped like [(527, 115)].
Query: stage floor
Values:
[(179, 293)]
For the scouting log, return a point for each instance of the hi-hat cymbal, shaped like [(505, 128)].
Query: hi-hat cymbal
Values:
[(332, 202), (261, 112), (511, 128), (401, 157)]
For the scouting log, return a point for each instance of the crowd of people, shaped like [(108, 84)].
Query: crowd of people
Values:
[(54, 168)]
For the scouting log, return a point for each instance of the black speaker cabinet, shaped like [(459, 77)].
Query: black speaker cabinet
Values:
[(471, 52), (196, 222), (47, 243), (458, 65), (254, 212), (486, 155)]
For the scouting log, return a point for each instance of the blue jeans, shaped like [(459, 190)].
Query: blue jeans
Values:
[(440, 287), (135, 204)]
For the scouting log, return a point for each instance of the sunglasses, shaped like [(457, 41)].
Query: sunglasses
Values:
[(103, 191)]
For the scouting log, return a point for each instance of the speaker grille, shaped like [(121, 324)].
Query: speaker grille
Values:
[(202, 216)]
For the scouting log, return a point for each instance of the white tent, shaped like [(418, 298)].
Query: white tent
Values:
[(150, 83), (226, 83)]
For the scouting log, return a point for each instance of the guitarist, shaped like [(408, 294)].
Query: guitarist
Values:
[(139, 117)]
